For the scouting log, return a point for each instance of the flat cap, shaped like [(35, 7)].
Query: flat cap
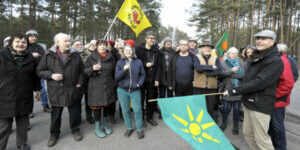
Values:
[(266, 33)]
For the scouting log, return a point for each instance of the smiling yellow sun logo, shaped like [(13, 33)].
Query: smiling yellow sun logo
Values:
[(195, 128)]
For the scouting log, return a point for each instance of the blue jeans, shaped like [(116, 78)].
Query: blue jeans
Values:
[(135, 97), (236, 111), (277, 129), (44, 95)]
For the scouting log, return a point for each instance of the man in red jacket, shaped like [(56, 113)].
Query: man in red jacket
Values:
[(283, 91)]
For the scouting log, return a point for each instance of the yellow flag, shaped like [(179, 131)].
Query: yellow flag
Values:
[(132, 15)]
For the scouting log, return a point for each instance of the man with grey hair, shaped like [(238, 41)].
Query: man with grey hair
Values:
[(284, 49), (62, 67), (258, 89), (181, 70), (283, 92), (6, 41), (167, 53), (206, 80)]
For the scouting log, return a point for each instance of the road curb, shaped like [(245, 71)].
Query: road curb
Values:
[(293, 114)]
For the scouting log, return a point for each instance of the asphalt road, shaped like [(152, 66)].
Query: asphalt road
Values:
[(158, 138)]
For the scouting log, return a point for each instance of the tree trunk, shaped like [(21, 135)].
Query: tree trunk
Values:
[(281, 23), (290, 24), (251, 21), (274, 16), (267, 18), (53, 23), (237, 25), (32, 13), (231, 26), (75, 18), (22, 16)]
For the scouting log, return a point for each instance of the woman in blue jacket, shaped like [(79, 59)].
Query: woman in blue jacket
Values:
[(130, 76)]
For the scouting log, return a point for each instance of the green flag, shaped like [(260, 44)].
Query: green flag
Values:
[(187, 116), (223, 44)]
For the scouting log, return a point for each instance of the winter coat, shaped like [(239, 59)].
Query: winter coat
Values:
[(207, 77), (171, 79), (153, 73), (62, 93), (164, 69), (294, 67), (129, 79), (85, 54), (36, 48), (17, 83), (116, 54), (259, 84), (285, 85), (228, 77), (102, 85)]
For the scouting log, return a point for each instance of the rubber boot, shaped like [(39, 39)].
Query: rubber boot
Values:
[(235, 129), (98, 130), (107, 129)]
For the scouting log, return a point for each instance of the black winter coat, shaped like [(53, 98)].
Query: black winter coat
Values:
[(102, 85), (164, 68), (36, 48), (171, 74), (153, 73), (259, 84), (65, 92), (17, 83)]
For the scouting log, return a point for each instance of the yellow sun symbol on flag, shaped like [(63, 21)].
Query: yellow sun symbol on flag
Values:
[(195, 128)]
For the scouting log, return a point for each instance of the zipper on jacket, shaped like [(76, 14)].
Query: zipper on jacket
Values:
[(130, 78)]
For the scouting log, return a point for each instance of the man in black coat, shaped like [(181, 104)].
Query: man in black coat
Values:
[(149, 54), (167, 53), (38, 51), (62, 67), (18, 80), (258, 89)]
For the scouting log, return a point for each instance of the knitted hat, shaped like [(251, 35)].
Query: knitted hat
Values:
[(111, 43), (130, 42)]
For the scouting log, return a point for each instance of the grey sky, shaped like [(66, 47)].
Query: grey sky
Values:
[(173, 13)]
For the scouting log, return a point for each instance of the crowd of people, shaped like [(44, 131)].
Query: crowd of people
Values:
[(256, 81)]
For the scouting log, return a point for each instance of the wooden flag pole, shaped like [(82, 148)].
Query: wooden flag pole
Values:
[(106, 35), (210, 94)]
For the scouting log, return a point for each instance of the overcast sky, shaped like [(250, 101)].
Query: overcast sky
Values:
[(173, 13)]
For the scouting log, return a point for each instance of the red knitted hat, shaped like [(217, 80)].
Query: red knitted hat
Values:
[(130, 42), (111, 43)]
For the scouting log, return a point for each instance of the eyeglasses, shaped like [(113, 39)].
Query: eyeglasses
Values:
[(151, 38)]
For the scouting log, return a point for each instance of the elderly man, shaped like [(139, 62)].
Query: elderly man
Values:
[(206, 80), (193, 46), (148, 53), (77, 46), (258, 89), (167, 53), (283, 92), (181, 70), (62, 67), (6, 41), (38, 51)]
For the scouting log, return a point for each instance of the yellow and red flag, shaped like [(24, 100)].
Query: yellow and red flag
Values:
[(223, 45), (132, 15)]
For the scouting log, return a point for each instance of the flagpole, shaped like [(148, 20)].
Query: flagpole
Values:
[(210, 94), (110, 27)]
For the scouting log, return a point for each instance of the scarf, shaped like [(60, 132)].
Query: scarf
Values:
[(234, 63), (18, 57)]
